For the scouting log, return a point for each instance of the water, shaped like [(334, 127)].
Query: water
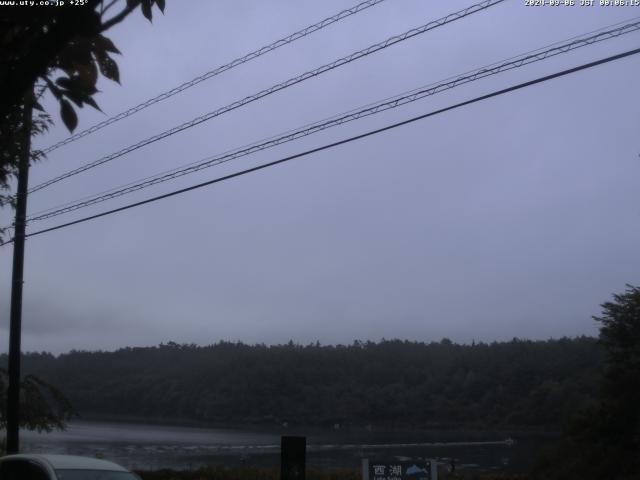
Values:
[(151, 447)]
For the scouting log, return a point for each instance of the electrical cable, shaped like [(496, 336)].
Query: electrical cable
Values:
[(387, 104), (275, 88), (343, 141), (218, 70)]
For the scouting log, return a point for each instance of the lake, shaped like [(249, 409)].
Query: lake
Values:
[(151, 446)]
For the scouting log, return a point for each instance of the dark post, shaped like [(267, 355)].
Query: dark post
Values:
[(292, 458), (15, 326)]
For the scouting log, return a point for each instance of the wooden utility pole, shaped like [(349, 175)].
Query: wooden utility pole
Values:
[(15, 326)]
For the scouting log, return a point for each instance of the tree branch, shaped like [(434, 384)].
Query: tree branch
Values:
[(119, 17), (104, 9)]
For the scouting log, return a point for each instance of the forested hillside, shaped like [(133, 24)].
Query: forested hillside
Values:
[(394, 384)]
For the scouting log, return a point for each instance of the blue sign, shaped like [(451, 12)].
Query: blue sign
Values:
[(393, 470)]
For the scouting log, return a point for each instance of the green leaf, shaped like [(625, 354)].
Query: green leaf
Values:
[(87, 75), (76, 88), (105, 44), (68, 115), (92, 102), (76, 52), (109, 68), (55, 90), (74, 96), (146, 9)]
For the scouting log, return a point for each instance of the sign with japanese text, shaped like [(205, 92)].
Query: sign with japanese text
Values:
[(393, 470)]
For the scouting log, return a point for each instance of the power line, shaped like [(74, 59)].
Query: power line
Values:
[(387, 104), (218, 70), (578, 38), (275, 88), (344, 141)]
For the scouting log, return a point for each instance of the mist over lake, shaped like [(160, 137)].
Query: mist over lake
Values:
[(153, 446)]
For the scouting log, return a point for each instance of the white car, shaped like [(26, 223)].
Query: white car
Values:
[(60, 467)]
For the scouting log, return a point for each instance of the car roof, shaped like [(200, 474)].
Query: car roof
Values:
[(62, 462)]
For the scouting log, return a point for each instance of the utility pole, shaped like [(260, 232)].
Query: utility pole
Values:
[(15, 327)]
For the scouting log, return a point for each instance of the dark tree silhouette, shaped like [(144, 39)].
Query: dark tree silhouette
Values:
[(391, 384), (43, 407), (619, 415), (604, 441), (62, 50)]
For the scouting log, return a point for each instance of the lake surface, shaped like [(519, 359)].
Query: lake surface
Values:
[(151, 447)]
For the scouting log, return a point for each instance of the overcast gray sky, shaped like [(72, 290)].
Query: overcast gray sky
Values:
[(517, 216)]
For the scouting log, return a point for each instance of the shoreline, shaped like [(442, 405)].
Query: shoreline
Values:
[(503, 430)]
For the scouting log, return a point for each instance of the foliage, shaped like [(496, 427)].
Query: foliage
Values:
[(12, 144), (390, 384), (604, 441), (620, 336), (64, 48), (59, 50), (42, 406)]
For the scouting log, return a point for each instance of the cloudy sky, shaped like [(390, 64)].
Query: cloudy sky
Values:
[(516, 216)]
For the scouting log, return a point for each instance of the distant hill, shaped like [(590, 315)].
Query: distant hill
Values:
[(394, 384)]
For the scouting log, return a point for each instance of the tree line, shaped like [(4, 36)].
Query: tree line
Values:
[(390, 384)]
